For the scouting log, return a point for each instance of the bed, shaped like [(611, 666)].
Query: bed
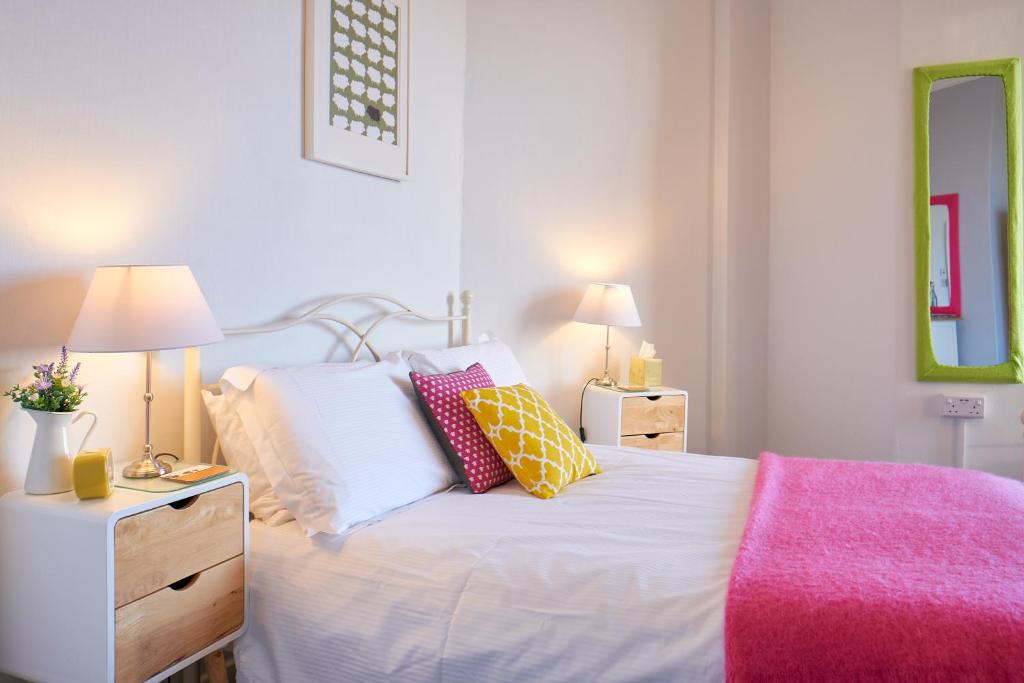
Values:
[(623, 577), (664, 567)]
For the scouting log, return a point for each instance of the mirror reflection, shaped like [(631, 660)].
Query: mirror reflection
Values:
[(968, 259)]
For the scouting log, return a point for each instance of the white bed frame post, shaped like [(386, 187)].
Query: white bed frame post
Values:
[(467, 304), (192, 438), (192, 444)]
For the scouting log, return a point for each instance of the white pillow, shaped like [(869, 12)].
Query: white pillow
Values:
[(497, 359), (240, 454), (236, 443), (342, 446)]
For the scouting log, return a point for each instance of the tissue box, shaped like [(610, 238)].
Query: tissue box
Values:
[(93, 474), (645, 372)]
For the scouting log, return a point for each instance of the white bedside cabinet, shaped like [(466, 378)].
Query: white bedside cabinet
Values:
[(654, 419), (129, 588)]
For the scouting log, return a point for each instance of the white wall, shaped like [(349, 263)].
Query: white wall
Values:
[(590, 142), (587, 159), (170, 133), (841, 332)]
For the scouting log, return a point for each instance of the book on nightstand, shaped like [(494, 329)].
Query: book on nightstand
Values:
[(196, 474), (190, 475), (628, 388)]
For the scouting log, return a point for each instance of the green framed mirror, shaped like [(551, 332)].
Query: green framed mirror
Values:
[(967, 213)]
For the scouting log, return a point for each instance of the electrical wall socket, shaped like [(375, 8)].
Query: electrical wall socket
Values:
[(963, 406)]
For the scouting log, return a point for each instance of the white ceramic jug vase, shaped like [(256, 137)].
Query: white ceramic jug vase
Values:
[(49, 470)]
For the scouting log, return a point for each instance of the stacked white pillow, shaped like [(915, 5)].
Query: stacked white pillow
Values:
[(336, 444), (239, 453), (236, 444), (496, 357), (342, 445)]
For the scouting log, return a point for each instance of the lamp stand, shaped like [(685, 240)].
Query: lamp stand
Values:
[(147, 466), (606, 379)]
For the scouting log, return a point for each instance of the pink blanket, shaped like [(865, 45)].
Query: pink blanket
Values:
[(858, 571)]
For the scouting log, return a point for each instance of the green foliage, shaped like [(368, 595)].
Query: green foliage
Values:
[(54, 388)]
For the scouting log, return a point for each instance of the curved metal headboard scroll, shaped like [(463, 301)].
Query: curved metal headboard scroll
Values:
[(317, 313), (193, 374)]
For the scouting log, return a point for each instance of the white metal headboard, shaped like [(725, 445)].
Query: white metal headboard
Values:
[(317, 314)]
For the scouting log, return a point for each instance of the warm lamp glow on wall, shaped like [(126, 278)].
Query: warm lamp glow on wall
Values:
[(143, 308), (608, 304)]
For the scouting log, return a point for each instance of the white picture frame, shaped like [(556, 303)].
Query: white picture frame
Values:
[(356, 138)]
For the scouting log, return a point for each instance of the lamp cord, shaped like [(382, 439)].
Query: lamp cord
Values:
[(583, 433)]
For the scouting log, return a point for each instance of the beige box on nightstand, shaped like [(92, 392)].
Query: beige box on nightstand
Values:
[(645, 372), (129, 588), (654, 419)]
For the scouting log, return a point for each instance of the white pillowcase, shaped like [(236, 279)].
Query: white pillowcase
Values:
[(340, 445), (240, 454), (497, 359), (236, 444)]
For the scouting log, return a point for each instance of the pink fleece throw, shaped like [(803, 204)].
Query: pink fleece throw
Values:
[(861, 571)]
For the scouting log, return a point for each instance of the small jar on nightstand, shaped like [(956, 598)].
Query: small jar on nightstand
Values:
[(654, 419), (132, 587)]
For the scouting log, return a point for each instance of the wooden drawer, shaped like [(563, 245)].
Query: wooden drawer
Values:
[(669, 441), (652, 415), (175, 622), (155, 548)]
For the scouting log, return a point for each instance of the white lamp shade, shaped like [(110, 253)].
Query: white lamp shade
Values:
[(143, 308), (608, 304)]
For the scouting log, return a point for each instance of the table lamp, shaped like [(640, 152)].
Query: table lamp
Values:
[(143, 308), (608, 304)]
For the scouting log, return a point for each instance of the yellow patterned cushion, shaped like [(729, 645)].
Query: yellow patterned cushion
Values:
[(536, 444)]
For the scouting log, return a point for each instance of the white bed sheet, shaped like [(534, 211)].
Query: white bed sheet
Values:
[(621, 577)]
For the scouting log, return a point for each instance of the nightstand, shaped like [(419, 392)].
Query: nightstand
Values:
[(129, 588), (654, 419)]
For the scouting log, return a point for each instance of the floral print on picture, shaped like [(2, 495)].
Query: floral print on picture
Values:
[(364, 68)]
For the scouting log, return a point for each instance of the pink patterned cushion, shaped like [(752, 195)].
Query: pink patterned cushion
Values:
[(467, 448)]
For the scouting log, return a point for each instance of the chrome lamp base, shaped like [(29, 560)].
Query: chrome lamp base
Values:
[(145, 468), (606, 379)]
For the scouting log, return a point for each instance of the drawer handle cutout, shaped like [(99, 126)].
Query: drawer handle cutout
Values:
[(182, 584), (652, 436), (184, 503), (652, 398)]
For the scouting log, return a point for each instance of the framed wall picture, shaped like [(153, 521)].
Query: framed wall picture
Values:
[(944, 260), (357, 85)]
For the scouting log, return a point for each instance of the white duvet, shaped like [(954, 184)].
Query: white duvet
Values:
[(621, 577)]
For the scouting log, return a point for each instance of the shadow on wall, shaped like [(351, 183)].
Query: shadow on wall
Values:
[(551, 310), (38, 313), (559, 345)]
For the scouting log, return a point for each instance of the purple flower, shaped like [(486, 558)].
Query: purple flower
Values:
[(43, 383), (43, 369), (74, 373), (63, 359)]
